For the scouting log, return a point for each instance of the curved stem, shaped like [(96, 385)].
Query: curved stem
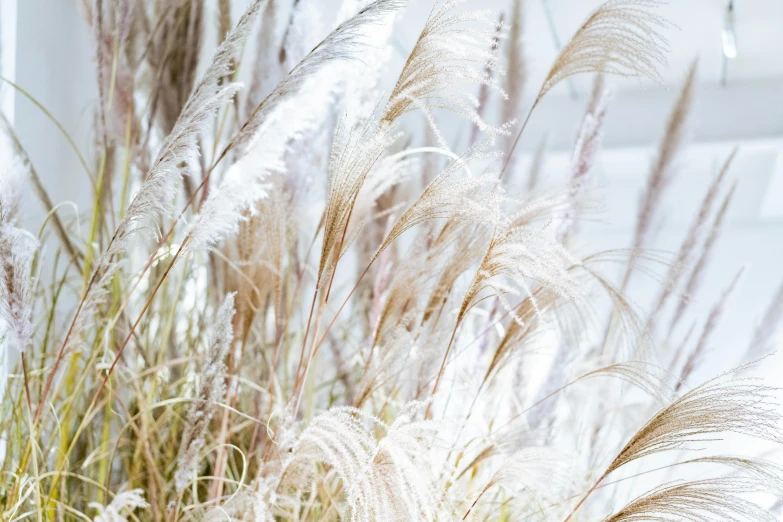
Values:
[(516, 141), (442, 367), (56, 123), (438, 150), (476, 501), (584, 497), (90, 284), (136, 323), (61, 352)]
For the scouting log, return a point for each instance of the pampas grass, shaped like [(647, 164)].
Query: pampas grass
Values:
[(621, 37), (688, 245), (661, 172), (767, 328), (703, 501), (17, 248), (211, 393), (325, 321), (697, 271)]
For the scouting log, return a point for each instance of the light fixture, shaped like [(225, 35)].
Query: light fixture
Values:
[(729, 38)]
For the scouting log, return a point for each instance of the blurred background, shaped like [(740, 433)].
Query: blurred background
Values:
[(738, 103)]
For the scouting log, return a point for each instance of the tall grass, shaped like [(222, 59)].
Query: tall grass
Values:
[(290, 306)]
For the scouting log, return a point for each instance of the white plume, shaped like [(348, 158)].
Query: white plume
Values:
[(125, 500)]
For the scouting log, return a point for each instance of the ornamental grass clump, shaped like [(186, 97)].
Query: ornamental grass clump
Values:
[(285, 303)]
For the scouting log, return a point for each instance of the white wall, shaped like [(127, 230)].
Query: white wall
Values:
[(7, 56), (53, 64)]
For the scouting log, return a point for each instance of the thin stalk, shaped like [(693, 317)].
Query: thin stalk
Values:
[(30, 421), (516, 141), (442, 367), (95, 273), (486, 488), (304, 340), (584, 497), (96, 216), (43, 195), (61, 353), (334, 319), (126, 165), (136, 324), (79, 308), (289, 313), (463, 310), (337, 254), (88, 414), (56, 123)]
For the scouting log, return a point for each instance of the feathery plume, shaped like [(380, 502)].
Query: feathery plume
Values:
[(112, 24), (154, 198), (211, 393), (440, 61), (122, 501), (386, 480), (447, 197), (689, 243), (361, 88), (156, 194), (517, 255), (388, 172), (392, 353), (528, 320), (527, 469), (173, 54), (17, 247), (483, 95), (278, 118), (463, 244), (718, 406), (644, 376), (621, 37), (709, 327), (767, 473), (714, 407), (516, 73), (707, 500), (261, 244), (341, 44), (241, 188), (698, 269), (765, 331), (352, 158), (660, 175), (587, 145)]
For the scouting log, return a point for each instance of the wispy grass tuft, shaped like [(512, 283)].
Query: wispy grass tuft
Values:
[(337, 318)]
